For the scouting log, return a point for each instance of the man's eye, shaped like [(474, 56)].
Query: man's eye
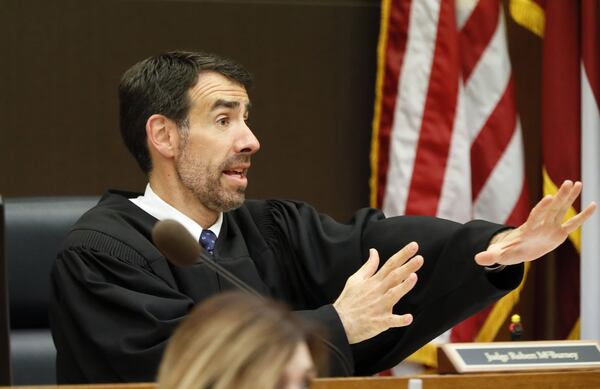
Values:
[(223, 121)]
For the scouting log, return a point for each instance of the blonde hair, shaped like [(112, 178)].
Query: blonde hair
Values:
[(235, 340)]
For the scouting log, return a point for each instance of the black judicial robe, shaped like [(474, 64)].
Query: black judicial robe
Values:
[(116, 300)]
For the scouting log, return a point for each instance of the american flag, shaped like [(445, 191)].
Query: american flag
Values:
[(446, 135)]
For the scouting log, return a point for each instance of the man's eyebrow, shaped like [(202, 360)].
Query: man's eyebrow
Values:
[(220, 103)]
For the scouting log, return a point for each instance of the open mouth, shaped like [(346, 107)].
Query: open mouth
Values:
[(236, 172)]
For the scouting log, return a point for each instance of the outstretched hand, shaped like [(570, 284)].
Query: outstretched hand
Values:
[(366, 303), (544, 230)]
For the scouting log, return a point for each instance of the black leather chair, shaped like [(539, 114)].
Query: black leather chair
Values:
[(33, 231)]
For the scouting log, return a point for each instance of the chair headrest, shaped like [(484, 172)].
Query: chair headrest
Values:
[(34, 230)]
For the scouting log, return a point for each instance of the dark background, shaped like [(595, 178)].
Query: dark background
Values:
[(314, 65)]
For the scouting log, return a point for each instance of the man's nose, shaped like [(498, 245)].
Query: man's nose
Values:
[(248, 143)]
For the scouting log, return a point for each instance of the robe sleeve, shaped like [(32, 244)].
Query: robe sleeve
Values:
[(113, 315), (321, 254)]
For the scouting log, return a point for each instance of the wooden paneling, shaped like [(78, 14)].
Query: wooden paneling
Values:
[(314, 67)]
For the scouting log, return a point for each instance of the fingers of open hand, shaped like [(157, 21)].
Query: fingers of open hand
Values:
[(383, 317), (551, 210), (396, 260), (401, 274), (576, 221), (365, 306), (393, 295), (564, 199), (541, 210)]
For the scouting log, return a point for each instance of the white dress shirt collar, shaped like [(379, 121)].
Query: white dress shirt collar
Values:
[(151, 203)]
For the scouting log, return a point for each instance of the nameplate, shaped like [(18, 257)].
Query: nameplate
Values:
[(515, 356)]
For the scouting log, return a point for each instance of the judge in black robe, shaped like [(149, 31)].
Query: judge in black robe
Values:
[(116, 299)]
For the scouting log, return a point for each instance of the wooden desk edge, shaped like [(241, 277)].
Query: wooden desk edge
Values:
[(543, 379)]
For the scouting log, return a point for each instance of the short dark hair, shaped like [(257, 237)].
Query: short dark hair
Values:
[(159, 85)]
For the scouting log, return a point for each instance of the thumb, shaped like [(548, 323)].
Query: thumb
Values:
[(485, 258), (370, 266), (400, 320)]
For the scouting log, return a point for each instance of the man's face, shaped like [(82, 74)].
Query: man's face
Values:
[(214, 155)]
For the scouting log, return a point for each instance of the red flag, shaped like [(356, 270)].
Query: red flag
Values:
[(570, 135), (561, 136)]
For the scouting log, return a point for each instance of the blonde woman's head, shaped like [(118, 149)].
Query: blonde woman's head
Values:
[(235, 340)]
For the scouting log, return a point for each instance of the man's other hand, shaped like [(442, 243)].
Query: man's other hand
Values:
[(545, 229), (365, 305)]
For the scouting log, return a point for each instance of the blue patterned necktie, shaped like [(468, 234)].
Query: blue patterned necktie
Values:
[(208, 239)]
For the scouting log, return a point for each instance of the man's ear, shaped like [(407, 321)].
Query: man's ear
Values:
[(162, 135)]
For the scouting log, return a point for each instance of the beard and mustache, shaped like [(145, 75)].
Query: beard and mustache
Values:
[(204, 180)]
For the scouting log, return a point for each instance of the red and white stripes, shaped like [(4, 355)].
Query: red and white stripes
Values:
[(498, 185), (497, 174), (454, 136), (447, 139)]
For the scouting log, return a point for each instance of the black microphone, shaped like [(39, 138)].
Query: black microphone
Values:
[(179, 246)]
